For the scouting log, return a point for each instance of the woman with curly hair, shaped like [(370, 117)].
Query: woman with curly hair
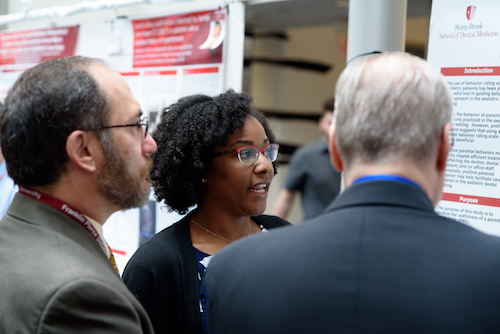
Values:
[(218, 156)]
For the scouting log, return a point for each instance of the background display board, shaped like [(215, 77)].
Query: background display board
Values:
[(464, 44), (162, 58), (20, 50)]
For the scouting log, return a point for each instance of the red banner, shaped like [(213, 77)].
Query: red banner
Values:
[(469, 199), (201, 70), (130, 74), (172, 72), (195, 38), (34, 46), (475, 71)]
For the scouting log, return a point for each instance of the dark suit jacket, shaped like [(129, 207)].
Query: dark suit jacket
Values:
[(378, 260), (54, 277)]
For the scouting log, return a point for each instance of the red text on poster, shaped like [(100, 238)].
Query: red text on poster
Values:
[(34, 46), (195, 38)]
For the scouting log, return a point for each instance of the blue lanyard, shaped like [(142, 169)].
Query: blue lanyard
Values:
[(386, 178)]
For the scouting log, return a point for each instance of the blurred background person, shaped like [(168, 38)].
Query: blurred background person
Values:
[(216, 154), (7, 187), (311, 173)]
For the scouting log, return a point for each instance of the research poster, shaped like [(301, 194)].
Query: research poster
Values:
[(20, 50), (165, 58), (464, 44)]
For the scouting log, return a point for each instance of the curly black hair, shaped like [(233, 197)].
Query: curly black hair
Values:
[(186, 136)]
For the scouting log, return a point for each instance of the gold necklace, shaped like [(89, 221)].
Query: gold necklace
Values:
[(215, 234)]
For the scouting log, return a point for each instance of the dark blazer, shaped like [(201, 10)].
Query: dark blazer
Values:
[(378, 260), (54, 277), (163, 274)]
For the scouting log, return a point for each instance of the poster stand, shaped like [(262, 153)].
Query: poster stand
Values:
[(464, 42)]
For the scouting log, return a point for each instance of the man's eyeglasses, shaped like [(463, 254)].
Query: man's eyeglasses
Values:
[(143, 125), (248, 155)]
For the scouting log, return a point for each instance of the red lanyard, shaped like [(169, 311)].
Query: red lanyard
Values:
[(66, 209), (3, 175)]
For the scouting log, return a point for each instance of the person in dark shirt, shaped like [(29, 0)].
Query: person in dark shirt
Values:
[(311, 174)]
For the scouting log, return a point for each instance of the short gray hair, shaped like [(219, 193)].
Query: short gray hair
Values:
[(390, 107)]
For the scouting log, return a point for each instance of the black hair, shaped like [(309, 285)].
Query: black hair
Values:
[(46, 104), (186, 136)]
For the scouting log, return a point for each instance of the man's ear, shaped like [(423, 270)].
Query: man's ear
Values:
[(444, 148), (82, 148), (333, 150)]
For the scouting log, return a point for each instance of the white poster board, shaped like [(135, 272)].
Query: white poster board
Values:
[(163, 59), (464, 44)]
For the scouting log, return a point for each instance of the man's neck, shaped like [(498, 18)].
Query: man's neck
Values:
[(427, 178)]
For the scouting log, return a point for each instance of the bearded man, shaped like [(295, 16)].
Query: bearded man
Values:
[(75, 143)]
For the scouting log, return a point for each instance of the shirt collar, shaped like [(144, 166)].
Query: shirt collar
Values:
[(98, 228), (382, 177)]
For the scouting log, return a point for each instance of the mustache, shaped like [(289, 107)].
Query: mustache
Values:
[(146, 169)]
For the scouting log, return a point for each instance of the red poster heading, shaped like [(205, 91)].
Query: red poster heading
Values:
[(469, 199), (200, 70), (34, 46), (172, 72), (178, 40), (118, 251), (130, 74), (10, 70), (466, 71)]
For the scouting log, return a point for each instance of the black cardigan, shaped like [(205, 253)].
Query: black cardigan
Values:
[(163, 275)]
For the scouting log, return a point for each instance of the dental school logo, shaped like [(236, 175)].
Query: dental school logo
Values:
[(471, 11), (469, 28)]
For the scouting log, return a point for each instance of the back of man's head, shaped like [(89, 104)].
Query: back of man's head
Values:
[(390, 108), (44, 106)]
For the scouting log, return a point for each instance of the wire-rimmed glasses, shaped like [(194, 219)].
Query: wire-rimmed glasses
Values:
[(143, 124)]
